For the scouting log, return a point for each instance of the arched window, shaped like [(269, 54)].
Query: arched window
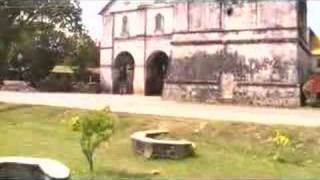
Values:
[(159, 22), (125, 29)]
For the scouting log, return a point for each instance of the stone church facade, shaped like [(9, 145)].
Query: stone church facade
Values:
[(250, 52)]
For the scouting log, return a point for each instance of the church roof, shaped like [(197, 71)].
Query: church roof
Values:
[(314, 42), (62, 69), (316, 52), (315, 46), (107, 6), (135, 4)]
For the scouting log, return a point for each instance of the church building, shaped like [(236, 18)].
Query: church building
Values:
[(239, 51)]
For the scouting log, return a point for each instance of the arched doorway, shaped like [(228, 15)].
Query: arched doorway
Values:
[(156, 70), (123, 74)]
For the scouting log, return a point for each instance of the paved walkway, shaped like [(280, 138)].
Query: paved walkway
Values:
[(156, 106)]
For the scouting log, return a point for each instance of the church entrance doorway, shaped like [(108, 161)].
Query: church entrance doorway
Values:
[(156, 70)]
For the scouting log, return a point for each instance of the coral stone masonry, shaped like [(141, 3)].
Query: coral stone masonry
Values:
[(146, 144), (250, 52)]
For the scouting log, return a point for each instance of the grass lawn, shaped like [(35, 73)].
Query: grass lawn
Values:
[(223, 149)]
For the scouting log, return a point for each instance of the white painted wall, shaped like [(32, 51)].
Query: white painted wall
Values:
[(204, 15), (107, 31), (136, 23), (180, 17), (167, 13), (136, 49), (277, 13)]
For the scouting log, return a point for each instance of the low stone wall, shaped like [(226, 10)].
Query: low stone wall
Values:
[(145, 143), (259, 95), (271, 95), (200, 92), (18, 86)]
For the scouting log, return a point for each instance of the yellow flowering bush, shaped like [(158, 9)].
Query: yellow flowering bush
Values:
[(75, 123), (95, 128), (283, 146), (281, 139)]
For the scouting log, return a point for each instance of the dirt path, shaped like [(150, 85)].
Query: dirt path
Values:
[(156, 106)]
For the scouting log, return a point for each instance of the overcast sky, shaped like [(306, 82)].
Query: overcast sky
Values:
[(93, 21)]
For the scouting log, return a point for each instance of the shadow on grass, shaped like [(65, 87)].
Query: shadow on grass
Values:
[(9, 108)]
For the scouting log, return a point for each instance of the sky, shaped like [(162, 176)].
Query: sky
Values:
[(93, 21)]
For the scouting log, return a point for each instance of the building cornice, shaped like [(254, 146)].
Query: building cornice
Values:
[(141, 9), (219, 30), (242, 41)]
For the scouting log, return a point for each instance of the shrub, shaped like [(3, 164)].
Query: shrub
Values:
[(86, 87), (95, 127), (285, 149), (54, 83), (281, 142)]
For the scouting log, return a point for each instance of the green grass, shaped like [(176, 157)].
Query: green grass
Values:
[(224, 150)]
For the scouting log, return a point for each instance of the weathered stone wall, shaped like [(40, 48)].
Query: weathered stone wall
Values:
[(270, 95), (200, 13), (249, 15), (193, 92), (273, 76), (273, 14), (276, 95), (269, 77), (266, 62), (253, 60), (244, 53), (244, 16)]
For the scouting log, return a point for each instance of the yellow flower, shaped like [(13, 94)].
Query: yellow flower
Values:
[(281, 139), (76, 118), (75, 123)]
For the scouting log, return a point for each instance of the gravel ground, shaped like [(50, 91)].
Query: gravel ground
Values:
[(156, 106)]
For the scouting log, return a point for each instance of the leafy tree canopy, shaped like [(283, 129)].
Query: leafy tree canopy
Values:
[(35, 35), (64, 14)]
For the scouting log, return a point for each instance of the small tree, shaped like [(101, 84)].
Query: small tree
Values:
[(95, 127)]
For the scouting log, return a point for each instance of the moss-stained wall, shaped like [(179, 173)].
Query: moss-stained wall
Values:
[(244, 51), (249, 53), (209, 67), (257, 73)]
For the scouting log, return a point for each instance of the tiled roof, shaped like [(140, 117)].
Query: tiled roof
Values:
[(316, 51), (62, 69)]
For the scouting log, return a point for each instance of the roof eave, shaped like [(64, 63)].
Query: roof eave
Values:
[(106, 7)]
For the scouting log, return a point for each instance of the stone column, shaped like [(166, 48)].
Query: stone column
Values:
[(139, 80)]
